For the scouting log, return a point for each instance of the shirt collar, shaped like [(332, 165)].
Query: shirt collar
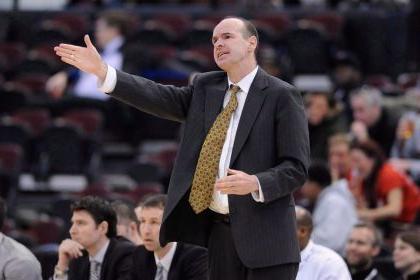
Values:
[(305, 253), (100, 255), (1, 237), (246, 81), (167, 259), (113, 45)]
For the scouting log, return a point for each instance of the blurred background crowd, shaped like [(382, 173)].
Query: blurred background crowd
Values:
[(357, 64)]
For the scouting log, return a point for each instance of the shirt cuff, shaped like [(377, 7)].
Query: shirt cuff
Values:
[(110, 80), (258, 196)]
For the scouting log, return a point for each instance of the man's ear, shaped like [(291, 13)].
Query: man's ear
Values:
[(253, 42), (376, 250), (103, 227)]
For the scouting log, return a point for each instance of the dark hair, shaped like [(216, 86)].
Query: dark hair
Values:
[(116, 19), (377, 235), (412, 238), (124, 210), (2, 212), (249, 28), (372, 151), (154, 201), (319, 173), (100, 210)]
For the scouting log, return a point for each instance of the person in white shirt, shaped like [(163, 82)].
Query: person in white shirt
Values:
[(334, 211), (16, 261), (317, 262), (175, 260), (109, 34)]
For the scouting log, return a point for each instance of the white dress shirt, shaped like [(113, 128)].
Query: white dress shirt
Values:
[(86, 85), (166, 260), (99, 257), (220, 201), (320, 263)]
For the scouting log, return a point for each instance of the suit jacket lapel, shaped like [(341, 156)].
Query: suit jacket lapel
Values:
[(250, 112), (214, 102), (173, 273)]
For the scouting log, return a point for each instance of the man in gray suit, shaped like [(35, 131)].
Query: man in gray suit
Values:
[(249, 226), (16, 261)]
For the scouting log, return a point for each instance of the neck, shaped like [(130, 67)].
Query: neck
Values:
[(237, 73), (361, 267), (94, 249), (411, 270), (163, 251)]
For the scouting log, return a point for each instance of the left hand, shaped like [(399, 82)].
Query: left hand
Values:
[(237, 182)]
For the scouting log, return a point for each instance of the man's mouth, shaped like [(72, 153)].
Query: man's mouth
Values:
[(220, 54)]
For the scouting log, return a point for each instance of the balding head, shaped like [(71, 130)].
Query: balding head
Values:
[(304, 226)]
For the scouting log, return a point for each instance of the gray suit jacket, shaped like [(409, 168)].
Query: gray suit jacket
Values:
[(271, 142)]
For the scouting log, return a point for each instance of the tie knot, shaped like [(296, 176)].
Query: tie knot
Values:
[(234, 89)]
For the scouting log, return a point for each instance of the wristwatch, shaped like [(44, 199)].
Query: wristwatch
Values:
[(58, 273)]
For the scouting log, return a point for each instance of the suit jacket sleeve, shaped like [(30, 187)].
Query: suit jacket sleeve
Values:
[(165, 101), (292, 149)]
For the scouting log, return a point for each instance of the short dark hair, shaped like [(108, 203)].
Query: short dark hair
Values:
[(124, 210), (250, 29), (411, 237), (377, 235), (2, 212), (116, 19), (100, 210), (154, 201), (319, 173)]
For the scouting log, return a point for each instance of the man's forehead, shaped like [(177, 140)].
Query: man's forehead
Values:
[(228, 25), (81, 215)]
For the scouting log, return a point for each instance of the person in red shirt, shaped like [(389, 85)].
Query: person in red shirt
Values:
[(385, 192)]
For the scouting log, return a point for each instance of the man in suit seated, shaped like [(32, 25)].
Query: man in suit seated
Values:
[(176, 260), (127, 222), (93, 252)]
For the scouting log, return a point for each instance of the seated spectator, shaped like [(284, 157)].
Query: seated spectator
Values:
[(405, 152), (93, 252), (384, 193), (371, 119), (334, 211), (109, 34), (323, 120), (363, 245), (127, 223), (175, 260), (317, 262), (16, 261), (339, 159), (407, 255)]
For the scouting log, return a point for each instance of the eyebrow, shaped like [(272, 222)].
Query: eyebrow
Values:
[(225, 33)]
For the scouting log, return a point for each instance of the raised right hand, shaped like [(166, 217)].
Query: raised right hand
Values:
[(86, 59)]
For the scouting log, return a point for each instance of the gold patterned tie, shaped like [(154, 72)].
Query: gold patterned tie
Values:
[(208, 161)]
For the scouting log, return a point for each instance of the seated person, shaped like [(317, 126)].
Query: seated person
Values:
[(334, 212), (127, 223), (384, 193), (16, 261), (317, 262), (109, 35), (407, 255), (93, 252), (175, 261), (363, 245)]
